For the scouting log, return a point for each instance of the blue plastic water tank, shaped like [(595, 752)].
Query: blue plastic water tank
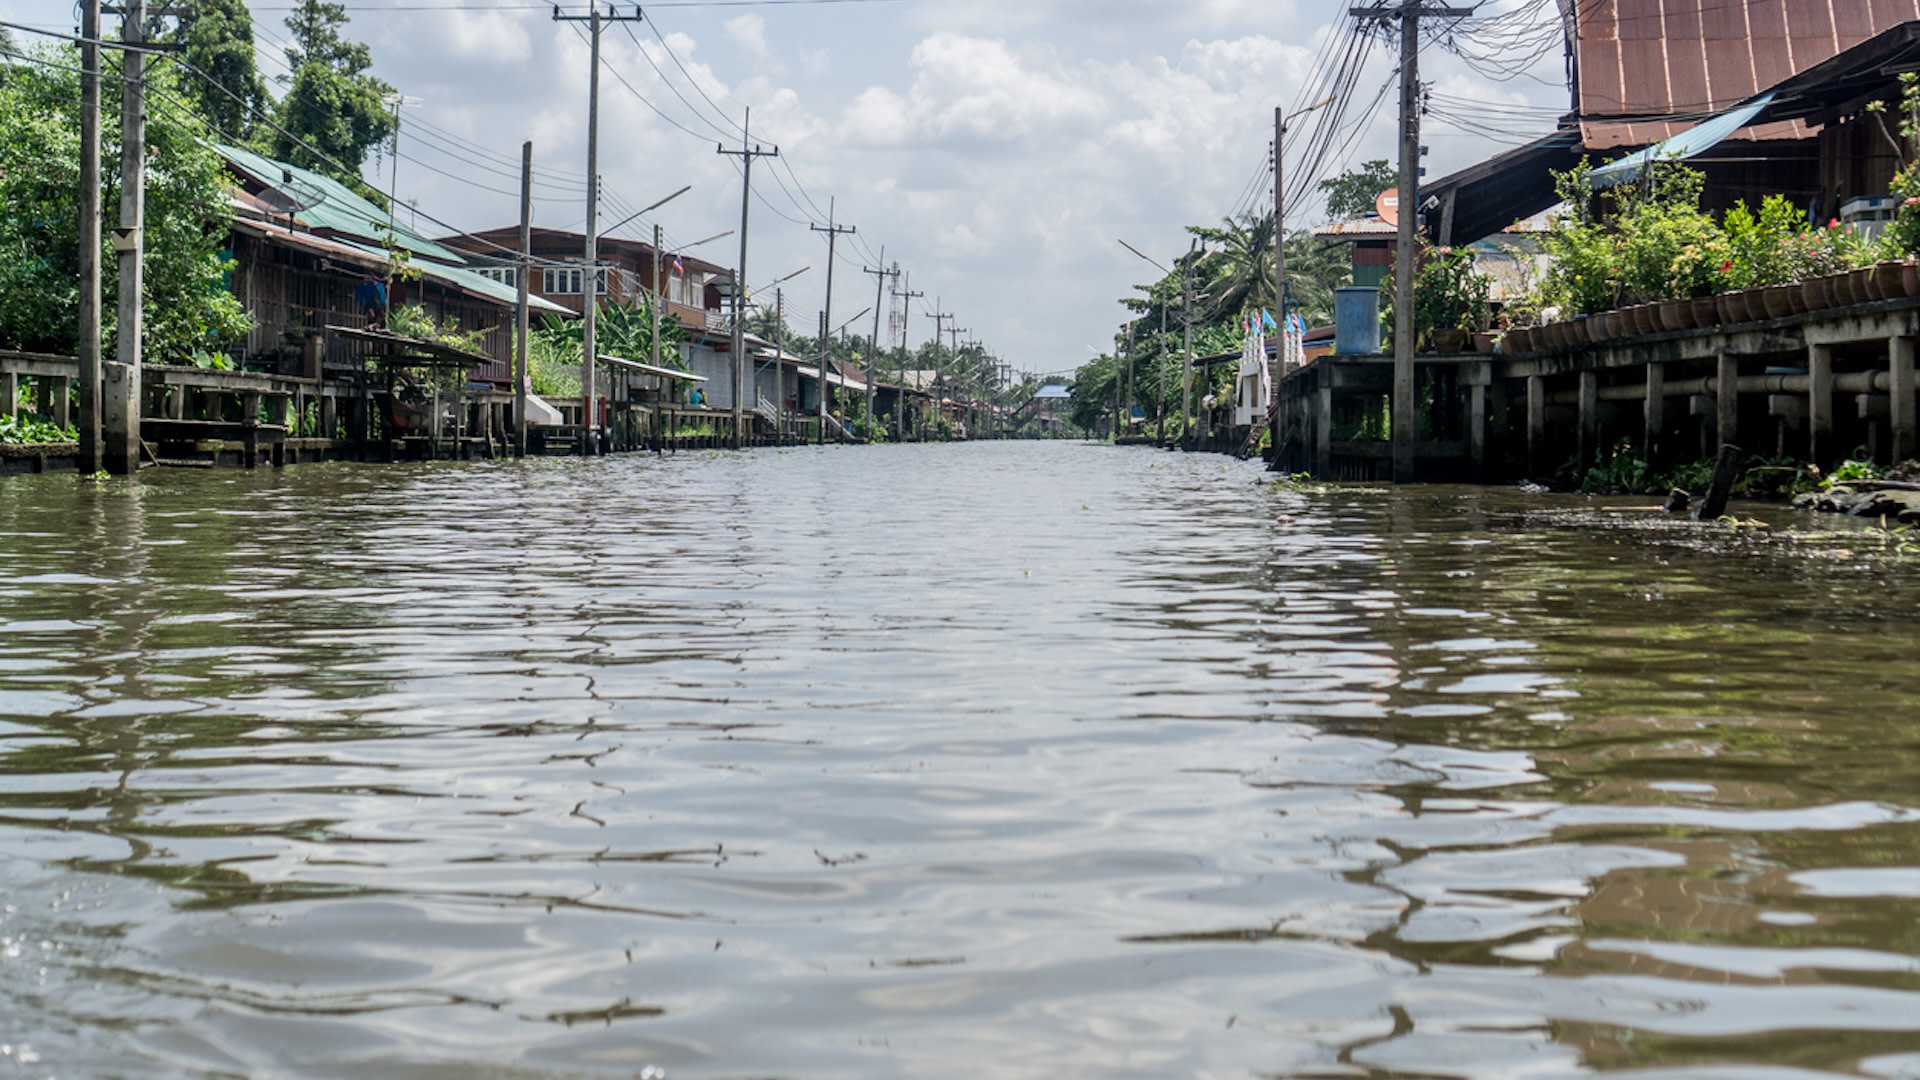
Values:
[(1356, 320)]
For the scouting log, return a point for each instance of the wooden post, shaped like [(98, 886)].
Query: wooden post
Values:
[(1726, 399), (1477, 430), (250, 425), (1536, 425), (1724, 470), (1655, 414), (1499, 436), (1900, 416), (1820, 405), (9, 394), (1323, 432), (1589, 419)]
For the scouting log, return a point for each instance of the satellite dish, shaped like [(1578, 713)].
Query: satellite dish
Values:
[(1388, 206), (290, 196)]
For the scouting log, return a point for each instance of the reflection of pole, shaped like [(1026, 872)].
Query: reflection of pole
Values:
[(521, 316), (89, 238), (122, 430)]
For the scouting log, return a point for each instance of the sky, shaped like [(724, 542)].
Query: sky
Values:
[(997, 150)]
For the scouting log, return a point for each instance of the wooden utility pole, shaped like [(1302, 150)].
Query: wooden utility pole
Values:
[(747, 152), (834, 232), (1404, 418), (906, 314), (873, 347), (120, 429), (590, 273), (90, 450), (522, 321)]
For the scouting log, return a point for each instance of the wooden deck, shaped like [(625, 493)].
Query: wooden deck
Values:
[(1818, 387)]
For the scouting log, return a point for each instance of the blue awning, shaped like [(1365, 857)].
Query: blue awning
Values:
[(1697, 139)]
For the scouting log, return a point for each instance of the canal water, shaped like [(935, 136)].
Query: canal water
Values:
[(997, 760)]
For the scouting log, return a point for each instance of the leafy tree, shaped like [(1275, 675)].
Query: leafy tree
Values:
[(767, 323), (334, 113), (315, 27), (1353, 194), (187, 309), (619, 329), (219, 42)]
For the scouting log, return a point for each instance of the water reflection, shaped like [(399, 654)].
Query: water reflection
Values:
[(1027, 760)]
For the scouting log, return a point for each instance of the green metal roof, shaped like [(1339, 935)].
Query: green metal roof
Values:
[(338, 209), (466, 279)]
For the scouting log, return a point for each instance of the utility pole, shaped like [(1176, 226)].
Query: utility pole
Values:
[(938, 317), (906, 314), (590, 273), (953, 354), (90, 453), (873, 346), (521, 314), (1274, 371), (1408, 12), (834, 232), (121, 429), (747, 152), (780, 351), (1186, 366)]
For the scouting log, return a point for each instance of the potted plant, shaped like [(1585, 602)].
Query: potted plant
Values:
[(1449, 299)]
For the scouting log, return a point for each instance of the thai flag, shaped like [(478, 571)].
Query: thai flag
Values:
[(679, 267)]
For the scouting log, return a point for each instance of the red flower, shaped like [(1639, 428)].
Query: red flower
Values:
[(1834, 224), (1727, 267)]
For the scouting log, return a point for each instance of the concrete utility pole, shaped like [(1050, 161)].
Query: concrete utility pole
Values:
[(90, 451), (906, 314), (938, 318), (653, 343), (522, 315), (590, 273), (121, 424), (1280, 294), (1409, 13), (746, 154), (834, 232), (873, 346), (1186, 366), (953, 354)]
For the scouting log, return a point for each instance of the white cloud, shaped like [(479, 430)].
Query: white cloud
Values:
[(750, 33)]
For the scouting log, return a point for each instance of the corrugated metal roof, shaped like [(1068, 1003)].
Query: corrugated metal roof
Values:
[(325, 203), (1642, 62), (1363, 227)]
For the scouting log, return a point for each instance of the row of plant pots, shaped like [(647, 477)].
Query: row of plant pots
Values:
[(1889, 280)]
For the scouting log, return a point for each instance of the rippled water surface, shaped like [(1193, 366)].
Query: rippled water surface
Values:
[(1000, 760)]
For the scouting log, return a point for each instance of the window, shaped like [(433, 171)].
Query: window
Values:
[(505, 275), (561, 281)]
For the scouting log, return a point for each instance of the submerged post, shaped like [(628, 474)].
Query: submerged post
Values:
[(1725, 468)]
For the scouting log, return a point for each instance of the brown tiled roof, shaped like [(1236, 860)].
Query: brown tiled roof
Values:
[(1644, 59)]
